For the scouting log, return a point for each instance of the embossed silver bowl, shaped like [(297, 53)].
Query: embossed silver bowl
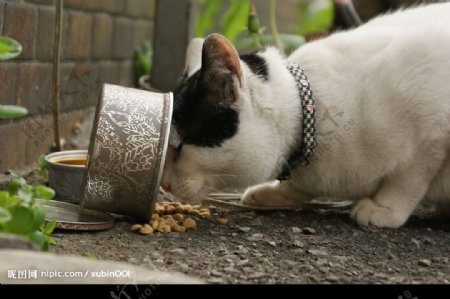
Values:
[(127, 150)]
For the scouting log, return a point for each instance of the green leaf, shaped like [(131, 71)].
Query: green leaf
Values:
[(204, 17), (15, 184), (38, 216), (40, 239), (9, 48), (49, 227), (21, 222), (7, 200), (43, 192), (91, 255), (234, 21), (315, 16), (25, 194), (12, 111), (42, 163), (290, 42), (5, 215)]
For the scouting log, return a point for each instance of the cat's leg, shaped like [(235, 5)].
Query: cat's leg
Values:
[(274, 193), (398, 195)]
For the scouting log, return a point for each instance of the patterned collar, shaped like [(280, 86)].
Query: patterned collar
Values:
[(301, 154)]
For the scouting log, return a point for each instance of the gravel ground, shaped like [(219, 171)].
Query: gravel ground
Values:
[(280, 247)]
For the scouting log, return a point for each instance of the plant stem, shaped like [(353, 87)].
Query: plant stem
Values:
[(56, 60), (256, 39), (349, 13), (273, 25)]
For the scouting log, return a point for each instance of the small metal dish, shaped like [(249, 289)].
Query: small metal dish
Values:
[(74, 217), (66, 179)]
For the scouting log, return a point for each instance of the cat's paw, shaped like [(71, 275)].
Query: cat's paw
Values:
[(366, 212), (267, 194)]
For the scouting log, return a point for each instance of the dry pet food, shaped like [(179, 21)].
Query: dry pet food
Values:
[(174, 217)]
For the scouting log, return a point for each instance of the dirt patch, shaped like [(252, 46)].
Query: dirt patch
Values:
[(280, 247)]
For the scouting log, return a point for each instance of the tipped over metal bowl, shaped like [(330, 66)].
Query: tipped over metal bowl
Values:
[(127, 150)]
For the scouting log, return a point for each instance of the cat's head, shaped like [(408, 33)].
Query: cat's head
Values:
[(214, 141)]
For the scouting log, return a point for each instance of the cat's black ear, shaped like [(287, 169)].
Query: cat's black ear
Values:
[(221, 66)]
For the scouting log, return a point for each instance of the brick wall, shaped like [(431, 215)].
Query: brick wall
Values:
[(99, 38)]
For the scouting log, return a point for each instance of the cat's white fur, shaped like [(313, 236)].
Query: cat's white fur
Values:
[(386, 87)]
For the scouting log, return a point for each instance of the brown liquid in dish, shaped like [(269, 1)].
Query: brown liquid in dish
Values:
[(72, 161)]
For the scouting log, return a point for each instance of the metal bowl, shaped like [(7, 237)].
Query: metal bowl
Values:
[(66, 179), (127, 150)]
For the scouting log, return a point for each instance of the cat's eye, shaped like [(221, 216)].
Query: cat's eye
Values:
[(177, 152)]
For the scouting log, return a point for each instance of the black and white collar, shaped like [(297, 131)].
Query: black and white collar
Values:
[(301, 154)]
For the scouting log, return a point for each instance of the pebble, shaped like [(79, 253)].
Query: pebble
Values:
[(323, 269), (291, 263), (298, 243), (257, 222), (317, 252), (441, 259), (258, 275), (183, 266), (332, 278), (242, 249), (342, 258), (215, 273), (380, 275), (348, 273), (321, 262), (242, 262), (296, 229), (178, 250), (132, 260), (425, 262), (428, 241), (244, 229), (222, 251), (272, 243), (215, 280), (309, 231), (230, 270), (255, 237)]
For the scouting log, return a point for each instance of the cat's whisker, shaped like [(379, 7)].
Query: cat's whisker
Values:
[(211, 189), (230, 175)]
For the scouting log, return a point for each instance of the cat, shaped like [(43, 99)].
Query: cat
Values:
[(382, 105)]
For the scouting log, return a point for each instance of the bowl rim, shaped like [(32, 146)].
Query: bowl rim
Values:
[(65, 153), (165, 148)]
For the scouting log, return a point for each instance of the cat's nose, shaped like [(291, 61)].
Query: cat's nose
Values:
[(166, 186)]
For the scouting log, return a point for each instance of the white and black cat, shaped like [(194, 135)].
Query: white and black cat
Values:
[(382, 107)]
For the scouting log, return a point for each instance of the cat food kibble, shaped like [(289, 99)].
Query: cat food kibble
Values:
[(178, 217), (135, 227), (205, 214), (189, 223), (146, 229), (179, 229), (221, 221), (173, 217)]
